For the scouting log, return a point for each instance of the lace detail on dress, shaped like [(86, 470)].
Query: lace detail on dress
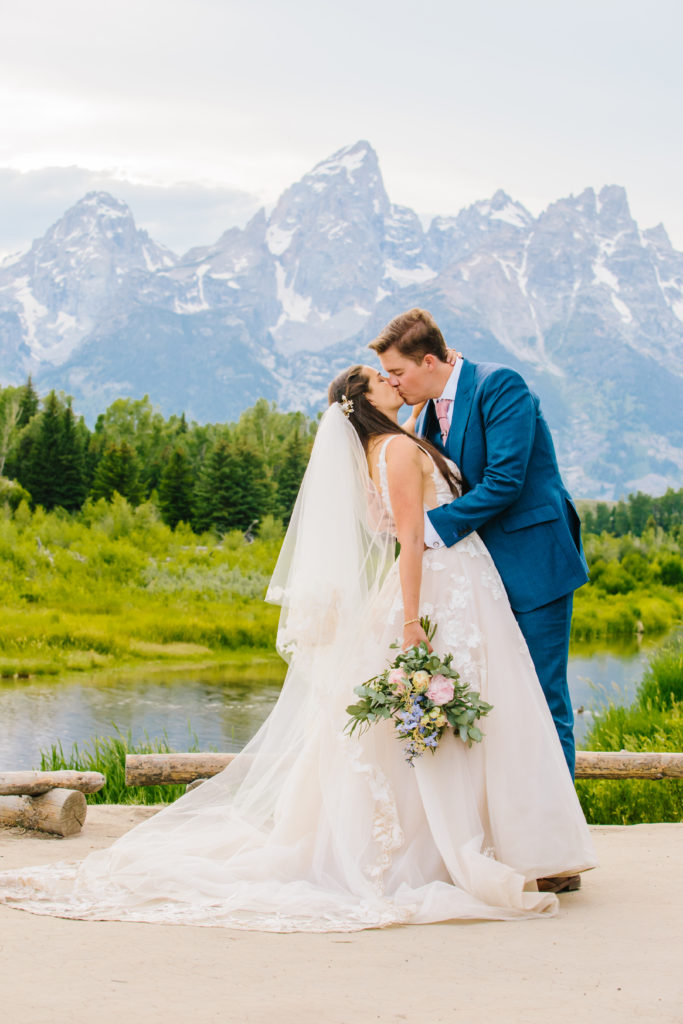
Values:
[(386, 826)]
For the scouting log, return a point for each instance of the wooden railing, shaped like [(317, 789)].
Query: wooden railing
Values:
[(166, 769)]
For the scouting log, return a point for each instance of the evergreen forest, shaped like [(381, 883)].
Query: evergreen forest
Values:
[(217, 477)]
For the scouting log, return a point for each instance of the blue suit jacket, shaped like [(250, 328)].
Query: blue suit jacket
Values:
[(514, 494)]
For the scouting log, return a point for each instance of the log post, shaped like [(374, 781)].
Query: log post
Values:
[(61, 811), (35, 783)]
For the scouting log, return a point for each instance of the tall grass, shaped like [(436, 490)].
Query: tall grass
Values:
[(107, 754), (654, 721)]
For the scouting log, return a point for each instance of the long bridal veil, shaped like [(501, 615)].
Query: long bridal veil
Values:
[(259, 845)]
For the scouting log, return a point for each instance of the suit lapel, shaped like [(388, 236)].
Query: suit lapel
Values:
[(461, 412)]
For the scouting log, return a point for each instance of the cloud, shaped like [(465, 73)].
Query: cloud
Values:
[(179, 216)]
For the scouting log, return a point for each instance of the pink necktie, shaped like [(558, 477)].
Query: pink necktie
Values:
[(442, 406)]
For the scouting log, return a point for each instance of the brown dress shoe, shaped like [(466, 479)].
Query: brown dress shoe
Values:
[(559, 883)]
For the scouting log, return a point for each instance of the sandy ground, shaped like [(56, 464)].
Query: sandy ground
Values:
[(614, 953)]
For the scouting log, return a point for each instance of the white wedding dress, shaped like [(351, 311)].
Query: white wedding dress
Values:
[(312, 830)]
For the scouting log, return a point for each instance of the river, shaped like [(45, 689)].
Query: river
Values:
[(222, 713)]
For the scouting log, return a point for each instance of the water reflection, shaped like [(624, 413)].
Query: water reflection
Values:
[(223, 712), (600, 673)]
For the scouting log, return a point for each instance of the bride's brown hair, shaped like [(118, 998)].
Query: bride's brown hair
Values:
[(354, 384)]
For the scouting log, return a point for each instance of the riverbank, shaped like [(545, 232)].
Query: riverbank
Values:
[(589, 961)]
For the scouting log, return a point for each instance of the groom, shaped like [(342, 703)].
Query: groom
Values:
[(485, 418)]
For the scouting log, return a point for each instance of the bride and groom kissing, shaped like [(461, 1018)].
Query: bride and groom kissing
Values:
[(493, 429), (313, 829)]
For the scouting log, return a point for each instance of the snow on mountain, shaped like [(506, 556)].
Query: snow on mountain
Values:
[(579, 299), (69, 279)]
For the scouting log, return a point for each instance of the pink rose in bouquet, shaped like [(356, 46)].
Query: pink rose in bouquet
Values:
[(440, 689), (398, 679)]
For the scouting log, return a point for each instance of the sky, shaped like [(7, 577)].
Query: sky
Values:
[(196, 112)]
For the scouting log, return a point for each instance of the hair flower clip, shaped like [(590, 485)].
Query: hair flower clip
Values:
[(346, 405)]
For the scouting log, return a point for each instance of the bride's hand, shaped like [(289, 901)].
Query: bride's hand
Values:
[(413, 634), (409, 424), (452, 356)]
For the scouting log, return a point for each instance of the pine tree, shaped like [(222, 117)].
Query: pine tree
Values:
[(290, 476), (233, 488), (175, 489), (72, 483), (117, 471), (252, 491), (29, 404), (211, 499), (43, 471)]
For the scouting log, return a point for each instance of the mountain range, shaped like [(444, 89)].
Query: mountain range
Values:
[(585, 304)]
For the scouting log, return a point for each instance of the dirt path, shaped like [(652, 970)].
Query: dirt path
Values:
[(614, 953)]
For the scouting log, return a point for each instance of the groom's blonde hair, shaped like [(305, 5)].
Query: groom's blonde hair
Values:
[(414, 334)]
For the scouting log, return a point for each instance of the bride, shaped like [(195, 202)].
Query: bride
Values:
[(310, 829)]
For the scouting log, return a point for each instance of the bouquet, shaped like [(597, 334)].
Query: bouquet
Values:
[(424, 695)]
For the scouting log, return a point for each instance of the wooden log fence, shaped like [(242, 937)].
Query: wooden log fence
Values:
[(55, 802), (167, 769)]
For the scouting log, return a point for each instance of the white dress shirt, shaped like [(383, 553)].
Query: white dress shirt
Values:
[(432, 538)]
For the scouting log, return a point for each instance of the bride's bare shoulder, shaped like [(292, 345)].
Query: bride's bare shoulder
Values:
[(402, 450), (400, 442), (398, 451)]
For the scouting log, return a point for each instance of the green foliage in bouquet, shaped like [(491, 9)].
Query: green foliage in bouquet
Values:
[(424, 696)]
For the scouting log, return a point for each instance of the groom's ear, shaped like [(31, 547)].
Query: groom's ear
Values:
[(429, 361)]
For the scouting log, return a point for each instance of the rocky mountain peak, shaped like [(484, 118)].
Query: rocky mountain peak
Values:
[(658, 238), (99, 227), (613, 204), (71, 276), (589, 308), (358, 164), (489, 223)]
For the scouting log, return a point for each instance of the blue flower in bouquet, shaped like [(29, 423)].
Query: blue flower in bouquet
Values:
[(424, 696)]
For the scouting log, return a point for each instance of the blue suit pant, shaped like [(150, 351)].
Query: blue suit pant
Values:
[(546, 631)]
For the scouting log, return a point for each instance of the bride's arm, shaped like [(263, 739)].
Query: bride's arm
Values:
[(404, 477)]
